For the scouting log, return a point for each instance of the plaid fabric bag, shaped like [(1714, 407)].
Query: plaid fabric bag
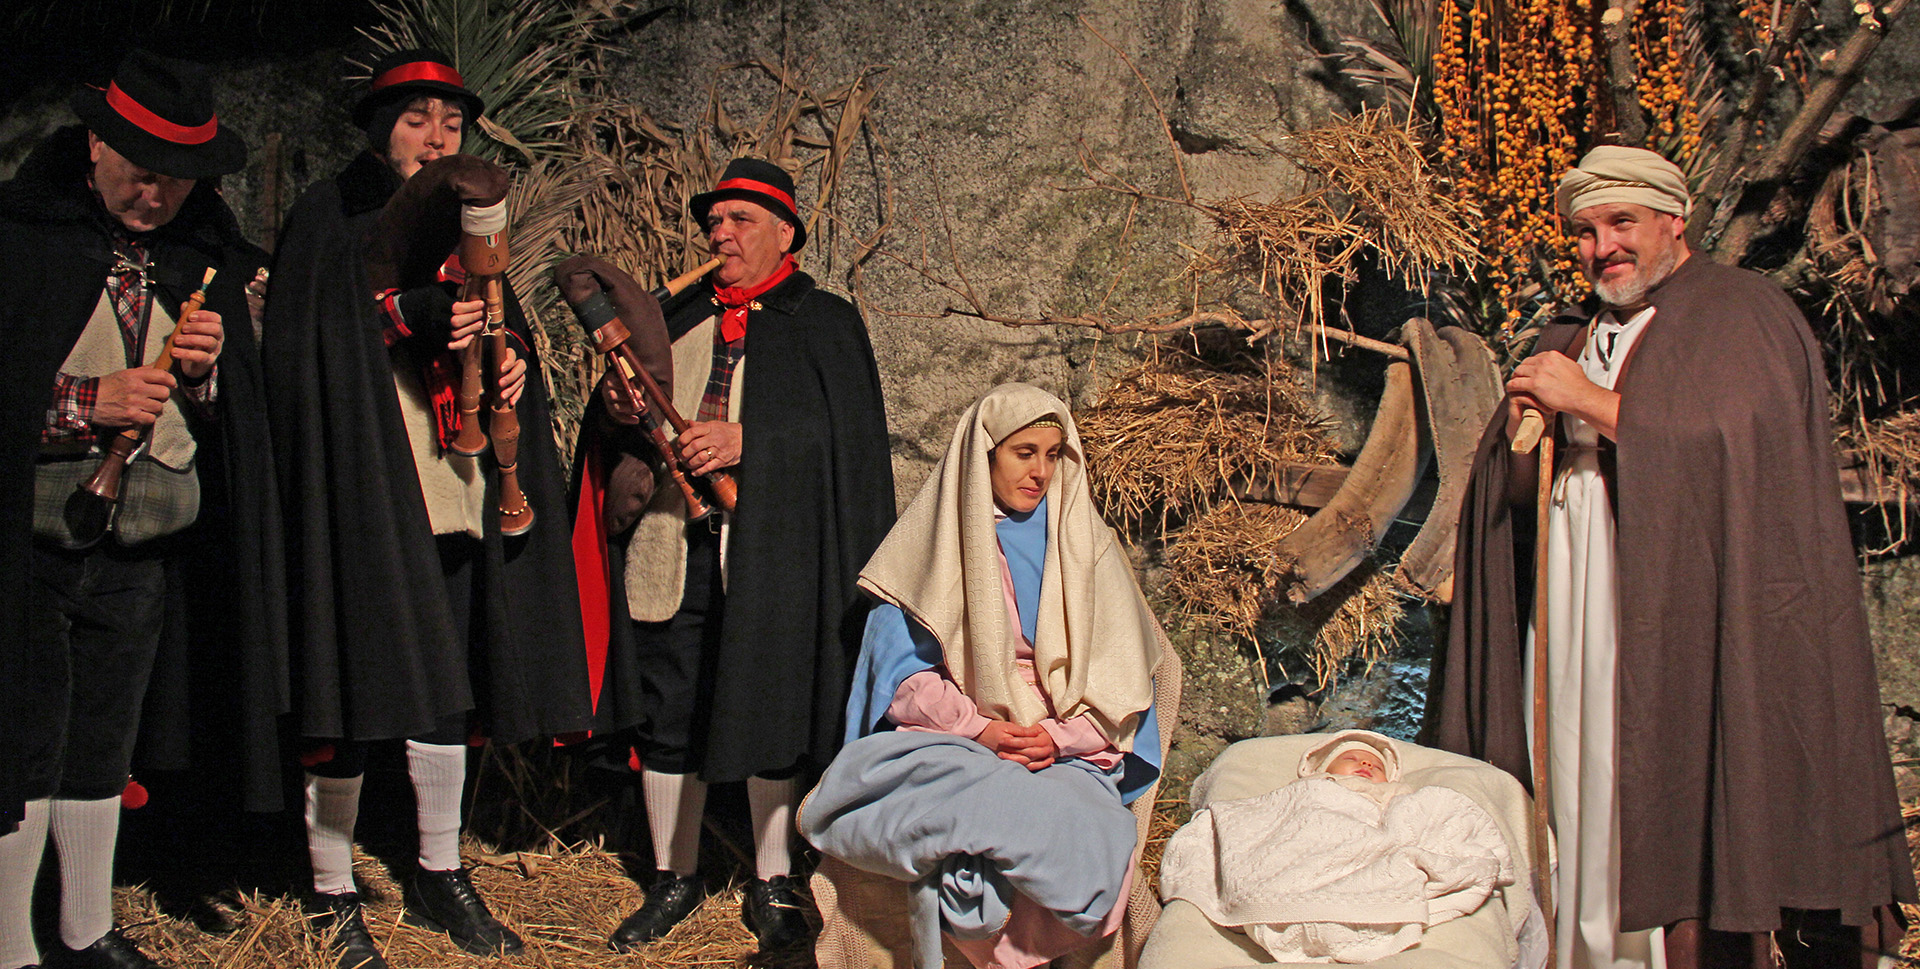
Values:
[(154, 500)]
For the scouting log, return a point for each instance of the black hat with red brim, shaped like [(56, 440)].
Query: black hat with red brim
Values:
[(758, 181), (415, 72), (158, 114)]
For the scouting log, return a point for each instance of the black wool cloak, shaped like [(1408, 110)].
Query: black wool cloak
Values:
[(376, 647), (1753, 771), (225, 686), (816, 498)]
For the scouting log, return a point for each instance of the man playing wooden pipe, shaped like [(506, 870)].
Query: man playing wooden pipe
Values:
[(104, 233), (1718, 766), (739, 631), (414, 619)]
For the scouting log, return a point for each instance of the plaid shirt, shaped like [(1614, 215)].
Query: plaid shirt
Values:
[(726, 357), (70, 414)]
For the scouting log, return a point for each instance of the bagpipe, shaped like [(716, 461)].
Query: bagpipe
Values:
[(90, 509), (624, 323), (461, 200)]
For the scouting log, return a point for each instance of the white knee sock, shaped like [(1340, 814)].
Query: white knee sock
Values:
[(20, 854), (771, 803), (674, 805), (439, 773), (333, 805), (84, 833)]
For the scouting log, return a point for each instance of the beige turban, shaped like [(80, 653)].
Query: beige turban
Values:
[(1634, 175)]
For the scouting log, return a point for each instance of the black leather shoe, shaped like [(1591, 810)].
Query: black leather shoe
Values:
[(774, 913), (445, 901), (340, 915), (671, 899), (113, 951)]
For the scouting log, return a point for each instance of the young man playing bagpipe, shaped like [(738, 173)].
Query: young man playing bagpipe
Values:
[(419, 615)]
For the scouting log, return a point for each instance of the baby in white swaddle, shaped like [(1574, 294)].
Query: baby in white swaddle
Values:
[(1347, 864)]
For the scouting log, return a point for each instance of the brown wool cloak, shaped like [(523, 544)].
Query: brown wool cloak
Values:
[(1753, 770)]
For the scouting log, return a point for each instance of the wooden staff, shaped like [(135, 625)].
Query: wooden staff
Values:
[(1532, 425), (485, 260), (90, 509), (1532, 433)]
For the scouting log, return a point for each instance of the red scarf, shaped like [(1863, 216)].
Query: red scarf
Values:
[(440, 371), (737, 300)]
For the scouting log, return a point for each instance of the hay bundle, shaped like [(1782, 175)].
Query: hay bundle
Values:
[(1223, 567), (1222, 564), (1166, 440), (1169, 433), (1372, 194)]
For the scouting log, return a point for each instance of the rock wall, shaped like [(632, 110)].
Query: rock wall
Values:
[(984, 114)]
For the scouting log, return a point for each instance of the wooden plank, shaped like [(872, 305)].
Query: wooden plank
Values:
[(1303, 484), (1460, 387), (1329, 545)]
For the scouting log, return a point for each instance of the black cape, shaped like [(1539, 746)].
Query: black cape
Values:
[(215, 693), (377, 650), (1753, 771), (816, 498)]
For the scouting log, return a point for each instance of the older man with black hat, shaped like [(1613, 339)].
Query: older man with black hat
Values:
[(415, 621), (733, 636), (104, 232), (1714, 729)]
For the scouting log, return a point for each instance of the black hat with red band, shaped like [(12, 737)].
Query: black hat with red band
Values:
[(756, 181), (158, 114), (410, 73)]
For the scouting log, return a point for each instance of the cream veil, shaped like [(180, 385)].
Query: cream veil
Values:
[(1096, 641)]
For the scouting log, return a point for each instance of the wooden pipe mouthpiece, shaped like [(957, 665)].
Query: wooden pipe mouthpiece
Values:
[(678, 284)]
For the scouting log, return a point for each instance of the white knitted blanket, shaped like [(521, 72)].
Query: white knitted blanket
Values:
[(1317, 872)]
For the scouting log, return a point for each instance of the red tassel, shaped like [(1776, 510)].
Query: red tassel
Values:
[(135, 796)]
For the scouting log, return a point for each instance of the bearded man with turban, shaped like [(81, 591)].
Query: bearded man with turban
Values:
[(1717, 761)]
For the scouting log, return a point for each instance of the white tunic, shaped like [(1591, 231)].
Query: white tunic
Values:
[(1583, 615)]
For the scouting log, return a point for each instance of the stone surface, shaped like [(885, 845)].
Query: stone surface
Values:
[(1893, 615)]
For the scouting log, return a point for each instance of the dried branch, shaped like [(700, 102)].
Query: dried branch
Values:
[(1623, 75), (1746, 122), (1848, 65), (1165, 125)]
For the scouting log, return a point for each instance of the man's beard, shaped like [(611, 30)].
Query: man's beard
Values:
[(1632, 291)]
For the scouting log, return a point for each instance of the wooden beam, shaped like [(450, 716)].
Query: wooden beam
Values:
[(1329, 545), (1302, 484)]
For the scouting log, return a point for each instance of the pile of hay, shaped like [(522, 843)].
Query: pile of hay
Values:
[(1371, 195), (564, 902), (1166, 438), (1165, 442), (1223, 566)]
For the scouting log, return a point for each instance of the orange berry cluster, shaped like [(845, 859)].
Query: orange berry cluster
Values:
[(1666, 78), (1509, 83), (1512, 81)]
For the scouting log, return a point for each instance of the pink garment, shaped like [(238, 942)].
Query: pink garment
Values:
[(929, 700)]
